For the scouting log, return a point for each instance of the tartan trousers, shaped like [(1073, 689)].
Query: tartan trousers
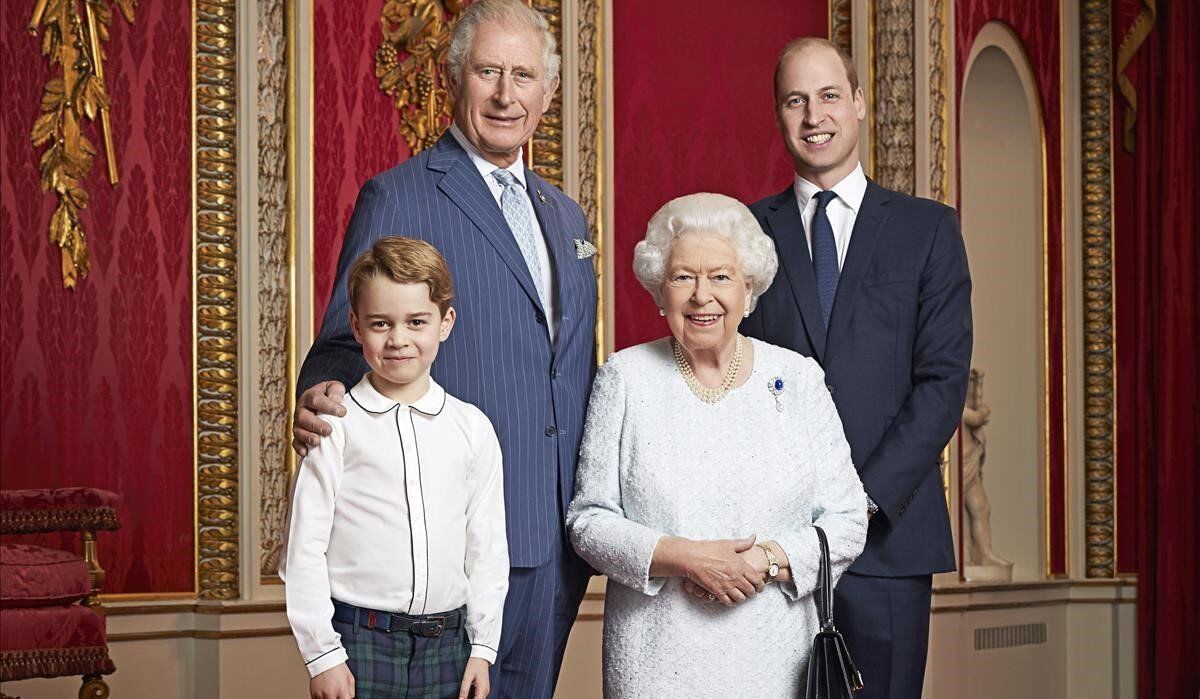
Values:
[(402, 665)]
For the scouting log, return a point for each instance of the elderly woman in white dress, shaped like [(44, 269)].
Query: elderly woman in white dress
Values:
[(706, 461)]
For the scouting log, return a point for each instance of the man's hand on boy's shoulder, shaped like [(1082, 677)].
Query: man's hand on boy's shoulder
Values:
[(476, 675), (308, 428), (335, 683)]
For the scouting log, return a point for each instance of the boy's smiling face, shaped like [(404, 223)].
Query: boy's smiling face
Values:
[(399, 328)]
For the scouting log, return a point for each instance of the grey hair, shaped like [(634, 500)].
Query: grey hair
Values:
[(706, 212), (512, 12)]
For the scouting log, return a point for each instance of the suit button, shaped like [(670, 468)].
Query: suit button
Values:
[(829, 388), (554, 373), (550, 431)]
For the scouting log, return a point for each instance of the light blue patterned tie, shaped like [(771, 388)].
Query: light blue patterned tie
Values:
[(518, 211), (825, 257)]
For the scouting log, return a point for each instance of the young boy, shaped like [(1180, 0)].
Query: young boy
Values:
[(396, 561)]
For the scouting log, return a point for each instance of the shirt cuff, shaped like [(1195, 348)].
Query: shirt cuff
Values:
[(321, 663), (478, 650)]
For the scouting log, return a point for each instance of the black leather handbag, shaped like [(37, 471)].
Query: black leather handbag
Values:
[(831, 671)]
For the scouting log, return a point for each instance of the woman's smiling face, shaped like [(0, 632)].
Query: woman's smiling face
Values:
[(704, 293)]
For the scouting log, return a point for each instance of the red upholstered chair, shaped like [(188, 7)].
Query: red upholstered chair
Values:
[(51, 621)]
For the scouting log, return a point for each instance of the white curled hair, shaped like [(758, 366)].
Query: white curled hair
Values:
[(715, 213), (512, 12)]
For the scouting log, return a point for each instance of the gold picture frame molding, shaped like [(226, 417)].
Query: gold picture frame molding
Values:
[(215, 296)]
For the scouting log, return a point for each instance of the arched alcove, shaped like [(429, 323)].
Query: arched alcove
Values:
[(1002, 201)]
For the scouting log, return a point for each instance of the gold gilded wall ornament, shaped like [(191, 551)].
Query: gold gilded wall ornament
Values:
[(73, 36), (416, 36), (409, 65), (1099, 339), (216, 301)]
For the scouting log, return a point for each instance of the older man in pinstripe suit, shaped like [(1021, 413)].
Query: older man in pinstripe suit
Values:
[(526, 296)]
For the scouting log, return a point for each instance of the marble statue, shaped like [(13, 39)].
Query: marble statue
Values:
[(983, 565)]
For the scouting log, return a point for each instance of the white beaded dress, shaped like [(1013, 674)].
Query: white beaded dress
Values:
[(657, 461)]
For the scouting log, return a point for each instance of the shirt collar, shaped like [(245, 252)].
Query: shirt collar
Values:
[(371, 400), (850, 190), (486, 168)]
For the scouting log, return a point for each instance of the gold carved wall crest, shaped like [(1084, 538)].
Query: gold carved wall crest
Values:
[(408, 65), (73, 39)]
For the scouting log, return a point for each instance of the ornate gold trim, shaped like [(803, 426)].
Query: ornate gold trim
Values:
[(590, 121), (76, 43), (215, 296), (1046, 378), (58, 519), (840, 25), (894, 127), (1099, 367), (408, 66), (276, 263), (545, 150), (939, 124)]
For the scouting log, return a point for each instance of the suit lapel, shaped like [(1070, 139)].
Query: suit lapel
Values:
[(464, 186), (787, 228), (868, 225)]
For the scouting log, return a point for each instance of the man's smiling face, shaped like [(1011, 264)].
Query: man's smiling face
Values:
[(502, 92), (817, 111)]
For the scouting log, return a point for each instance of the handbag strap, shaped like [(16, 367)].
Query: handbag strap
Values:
[(824, 592)]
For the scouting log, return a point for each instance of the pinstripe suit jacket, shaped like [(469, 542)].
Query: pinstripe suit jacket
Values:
[(499, 356)]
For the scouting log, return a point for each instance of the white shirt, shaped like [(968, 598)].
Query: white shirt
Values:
[(543, 253), (400, 509), (842, 211)]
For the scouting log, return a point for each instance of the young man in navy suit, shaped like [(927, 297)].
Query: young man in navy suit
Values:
[(523, 350), (875, 287)]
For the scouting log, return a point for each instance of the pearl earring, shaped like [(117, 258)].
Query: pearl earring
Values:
[(662, 312)]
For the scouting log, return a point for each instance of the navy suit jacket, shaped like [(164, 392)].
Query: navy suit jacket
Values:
[(896, 357), (499, 356)]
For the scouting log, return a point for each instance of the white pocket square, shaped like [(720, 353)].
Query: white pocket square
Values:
[(584, 249)]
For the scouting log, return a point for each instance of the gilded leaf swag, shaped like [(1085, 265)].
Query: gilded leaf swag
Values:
[(73, 36)]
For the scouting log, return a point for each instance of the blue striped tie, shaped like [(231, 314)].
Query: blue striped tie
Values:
[(518, 212), (825, 256)]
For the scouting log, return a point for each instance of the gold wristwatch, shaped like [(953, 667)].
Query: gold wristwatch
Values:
[(772, 562)]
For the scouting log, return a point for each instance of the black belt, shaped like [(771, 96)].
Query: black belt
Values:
[(427, 625)]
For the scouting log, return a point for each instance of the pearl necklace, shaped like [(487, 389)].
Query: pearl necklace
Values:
[(709, 395)]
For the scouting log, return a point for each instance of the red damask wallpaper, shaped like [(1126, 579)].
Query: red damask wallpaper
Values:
[(1038, 27), (354, 127), (96, 383), (692, 112)]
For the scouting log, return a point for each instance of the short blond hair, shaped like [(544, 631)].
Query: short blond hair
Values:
[(404, 261)]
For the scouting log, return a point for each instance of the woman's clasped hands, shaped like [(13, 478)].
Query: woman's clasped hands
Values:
[(728, 571)]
